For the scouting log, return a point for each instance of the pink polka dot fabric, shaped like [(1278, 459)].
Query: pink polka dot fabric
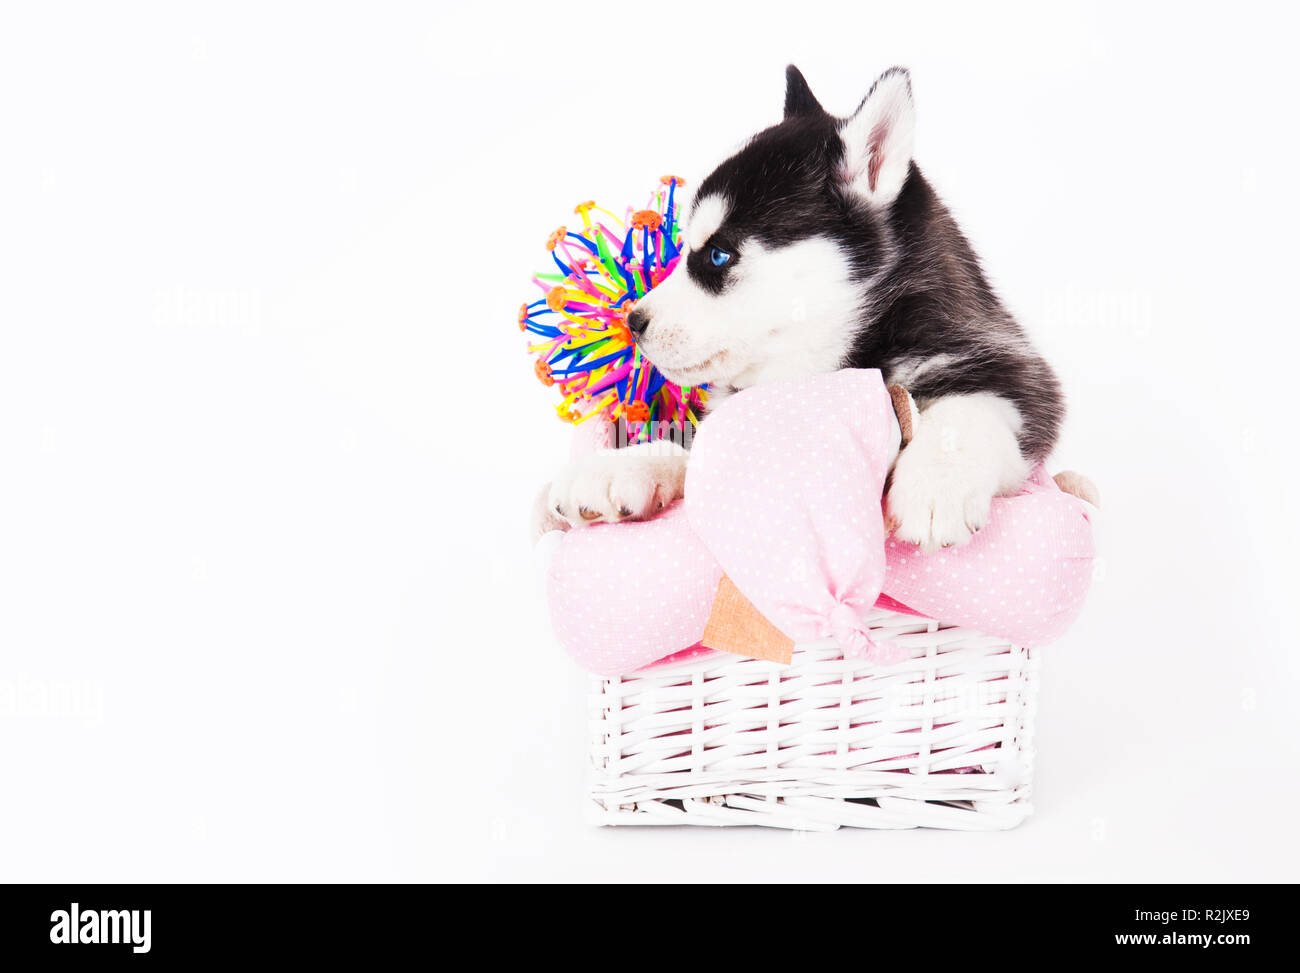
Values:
[(1023, 577), (783, 493), (624, 595), (784, 488)]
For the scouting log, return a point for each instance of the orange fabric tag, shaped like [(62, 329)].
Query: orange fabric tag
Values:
[(736, 626)]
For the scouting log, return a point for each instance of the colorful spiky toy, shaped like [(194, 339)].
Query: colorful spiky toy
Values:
[(586, 349)]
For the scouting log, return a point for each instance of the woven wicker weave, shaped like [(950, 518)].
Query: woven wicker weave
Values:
[(941, 740)]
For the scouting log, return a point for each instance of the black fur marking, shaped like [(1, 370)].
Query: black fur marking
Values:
[(799, 99), (699, 264), (936, 301), (779, 191), (928, 299)]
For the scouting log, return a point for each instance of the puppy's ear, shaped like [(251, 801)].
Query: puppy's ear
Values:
[(799, 98), (878, 140)]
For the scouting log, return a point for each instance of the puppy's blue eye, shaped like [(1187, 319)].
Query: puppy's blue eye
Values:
[(719, 257)]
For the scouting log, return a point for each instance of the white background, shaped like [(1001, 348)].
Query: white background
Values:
[(268, 436)]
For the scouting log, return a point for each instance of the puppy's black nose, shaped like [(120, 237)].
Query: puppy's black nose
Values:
[(637, 322)]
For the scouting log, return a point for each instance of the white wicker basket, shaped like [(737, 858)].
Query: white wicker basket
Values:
[(940, 740)]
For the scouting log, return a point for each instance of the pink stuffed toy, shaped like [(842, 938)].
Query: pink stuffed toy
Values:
[(783, 495), (784, 488)]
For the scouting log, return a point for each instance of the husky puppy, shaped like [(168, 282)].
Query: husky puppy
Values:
[(820, 246)]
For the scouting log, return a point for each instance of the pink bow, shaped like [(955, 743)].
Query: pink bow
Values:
[(846, 629)]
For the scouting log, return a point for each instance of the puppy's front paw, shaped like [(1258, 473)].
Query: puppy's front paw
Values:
[(544, 519), (936, 503), (620, 484)]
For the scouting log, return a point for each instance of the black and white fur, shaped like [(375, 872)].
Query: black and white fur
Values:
[(842, 256)]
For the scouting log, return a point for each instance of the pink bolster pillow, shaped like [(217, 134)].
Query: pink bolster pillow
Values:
[(784, 494)]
